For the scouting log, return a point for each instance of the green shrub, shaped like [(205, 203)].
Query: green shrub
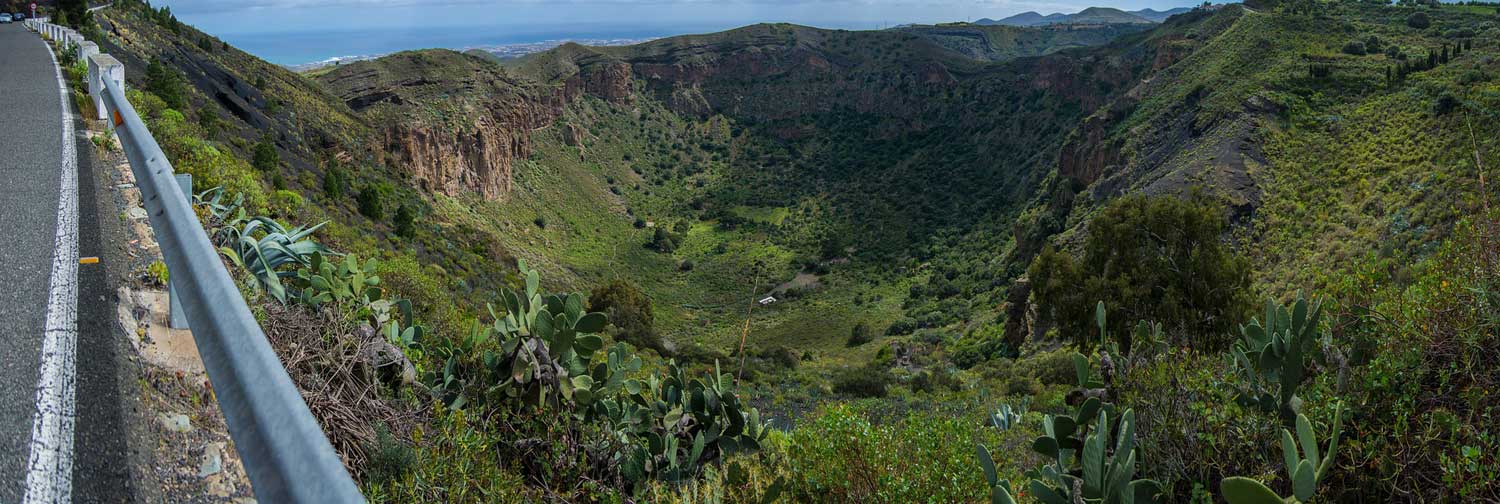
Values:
[(454, 462), (334, 182), (1444, 104), (265, 158), (1419, 20), (1188, 423), (157, 273), (370, 204), (285, 204), (390, 459), (1051, 368), (630, 312), (1148, 258), (859, 334), (1354, 47), (838, 455), (405, 221), (1423, 337), (1022, 386), (663, 241), (865, 381), (167, 84)]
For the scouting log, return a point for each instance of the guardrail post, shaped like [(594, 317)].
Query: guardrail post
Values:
[(178, 318), (86, 49), (101, 67)]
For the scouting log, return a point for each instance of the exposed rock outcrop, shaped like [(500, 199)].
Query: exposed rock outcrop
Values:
[(1090, 151), (458, 133)]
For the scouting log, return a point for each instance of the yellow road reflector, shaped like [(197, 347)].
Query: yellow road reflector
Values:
[(88, 260)]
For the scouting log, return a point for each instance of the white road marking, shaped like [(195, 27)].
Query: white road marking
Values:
[(49, 474)]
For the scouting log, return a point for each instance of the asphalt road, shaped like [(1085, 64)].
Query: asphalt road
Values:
[(31, 164)]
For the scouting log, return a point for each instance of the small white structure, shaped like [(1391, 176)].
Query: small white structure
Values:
[(104, 66), (767, 300), (87, 49)]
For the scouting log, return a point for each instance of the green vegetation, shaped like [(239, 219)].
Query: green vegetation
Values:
[(1308, 470), (629, 312), (888, 190), (1158, 259), (167, 84)]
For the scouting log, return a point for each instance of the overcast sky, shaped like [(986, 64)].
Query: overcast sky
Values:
[(230, 17)]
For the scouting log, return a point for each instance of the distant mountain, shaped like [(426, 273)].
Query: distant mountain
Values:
[(1091, 15), (1106, 15), (1002, 42), (1026, 19), (1159, 16)]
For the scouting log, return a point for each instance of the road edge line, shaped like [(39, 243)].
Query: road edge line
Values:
[(49, 473)]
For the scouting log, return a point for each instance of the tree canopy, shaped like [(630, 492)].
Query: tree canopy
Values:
[(1161, 259)]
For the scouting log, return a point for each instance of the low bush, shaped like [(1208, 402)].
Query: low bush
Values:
[(859, 334), (864, 381), (630, 312), (838, 455), (1419, 20)]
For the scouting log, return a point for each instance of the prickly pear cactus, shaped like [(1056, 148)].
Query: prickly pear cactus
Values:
[(1305, 468), (1271, 354)]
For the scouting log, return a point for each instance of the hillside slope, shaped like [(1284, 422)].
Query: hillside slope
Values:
[(762, 136), (889, 190), (1000, 42)]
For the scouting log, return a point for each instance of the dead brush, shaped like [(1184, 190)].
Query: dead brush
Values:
[(326, 356)]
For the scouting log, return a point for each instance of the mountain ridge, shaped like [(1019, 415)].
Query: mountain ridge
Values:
[(1088, 16)]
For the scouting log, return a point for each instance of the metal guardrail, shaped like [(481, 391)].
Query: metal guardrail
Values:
[(283, 449)]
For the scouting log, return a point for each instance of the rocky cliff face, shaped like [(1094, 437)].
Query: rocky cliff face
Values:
[(478, 159), (453, 122), (1090, 151)]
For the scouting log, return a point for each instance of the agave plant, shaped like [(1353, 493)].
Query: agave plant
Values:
[(262, 246), (1007, 416), (218, 214)]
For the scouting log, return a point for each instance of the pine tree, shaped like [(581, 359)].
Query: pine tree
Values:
[(405, 221), (1390, 76), (1444, 58), (265, 157)]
